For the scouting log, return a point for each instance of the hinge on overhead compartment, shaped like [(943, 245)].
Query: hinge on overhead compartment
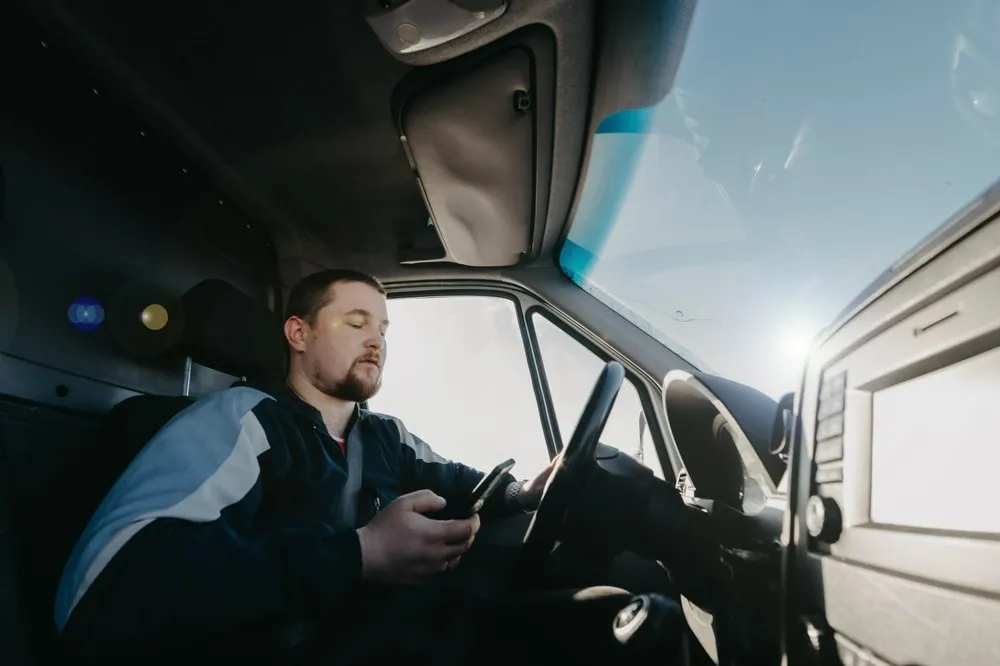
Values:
[(411, 26)]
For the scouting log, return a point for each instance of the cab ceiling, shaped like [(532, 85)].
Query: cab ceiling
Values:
[(287, 107)]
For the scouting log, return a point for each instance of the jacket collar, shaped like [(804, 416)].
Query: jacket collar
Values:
[(288, 398)]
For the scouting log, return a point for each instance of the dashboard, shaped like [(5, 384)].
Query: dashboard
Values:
[(723, 431), (893, 545)]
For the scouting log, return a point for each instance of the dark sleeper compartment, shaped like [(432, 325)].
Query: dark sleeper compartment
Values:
[(104, 233)]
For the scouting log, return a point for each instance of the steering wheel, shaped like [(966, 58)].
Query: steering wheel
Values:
[(569, 475)]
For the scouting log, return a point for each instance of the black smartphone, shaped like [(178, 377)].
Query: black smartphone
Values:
[(465, 508)]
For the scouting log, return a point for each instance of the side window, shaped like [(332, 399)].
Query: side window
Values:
[(571, 370), (457, 375)]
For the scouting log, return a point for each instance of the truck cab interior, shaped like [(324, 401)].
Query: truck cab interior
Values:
[(615, 232)]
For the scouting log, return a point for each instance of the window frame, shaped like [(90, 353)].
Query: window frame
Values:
[(525, 305), (637, 378)]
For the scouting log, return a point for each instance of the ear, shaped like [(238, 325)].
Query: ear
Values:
[(296, 330)]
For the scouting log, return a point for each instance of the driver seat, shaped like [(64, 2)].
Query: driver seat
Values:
[(227, 331)]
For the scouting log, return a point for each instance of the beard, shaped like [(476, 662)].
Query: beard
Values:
[(355, 387)]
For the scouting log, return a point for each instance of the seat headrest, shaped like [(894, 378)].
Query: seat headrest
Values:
[(229, 331)]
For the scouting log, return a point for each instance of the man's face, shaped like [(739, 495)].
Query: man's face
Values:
[(343, 352)]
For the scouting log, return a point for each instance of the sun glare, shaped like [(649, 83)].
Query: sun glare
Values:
[(795, 343)]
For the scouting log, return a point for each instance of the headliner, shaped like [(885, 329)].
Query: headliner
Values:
[(287, 107)]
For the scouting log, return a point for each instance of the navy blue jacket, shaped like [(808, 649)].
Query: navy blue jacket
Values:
[(244, 507)]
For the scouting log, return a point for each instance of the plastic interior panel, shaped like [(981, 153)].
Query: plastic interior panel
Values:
[(97, 207), (48, 386), (205, 381), (924, 345), (419, 25), (905, 595), (952, 408), (474, 153), (905, 622)]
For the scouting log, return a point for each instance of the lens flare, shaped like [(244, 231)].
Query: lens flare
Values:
[(85, 313), (155, 317)]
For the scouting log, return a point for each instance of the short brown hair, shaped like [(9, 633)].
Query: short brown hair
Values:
[(312, 293)]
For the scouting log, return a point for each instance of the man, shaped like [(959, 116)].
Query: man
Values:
[(263, 503)]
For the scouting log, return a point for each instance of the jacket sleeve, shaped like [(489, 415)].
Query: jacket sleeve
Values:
[(181, 539), (422, 468)]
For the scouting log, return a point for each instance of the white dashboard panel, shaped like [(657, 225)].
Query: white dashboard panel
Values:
[(935, 449)]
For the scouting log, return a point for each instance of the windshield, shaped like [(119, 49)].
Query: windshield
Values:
[(804, 148)]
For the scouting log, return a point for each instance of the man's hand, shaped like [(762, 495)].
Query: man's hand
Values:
[(401, 545), (531, 492)]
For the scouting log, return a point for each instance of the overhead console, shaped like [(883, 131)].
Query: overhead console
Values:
[(894, 546), (411, 26), (478, 134)]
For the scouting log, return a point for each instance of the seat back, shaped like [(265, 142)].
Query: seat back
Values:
[(124, 431), (227, 331), (61, 466)]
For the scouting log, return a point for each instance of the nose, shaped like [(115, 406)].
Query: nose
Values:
[(376, 341)]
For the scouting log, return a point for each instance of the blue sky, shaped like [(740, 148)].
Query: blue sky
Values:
[(804, 148)]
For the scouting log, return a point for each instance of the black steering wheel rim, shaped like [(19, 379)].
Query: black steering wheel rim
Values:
[(573, 466)]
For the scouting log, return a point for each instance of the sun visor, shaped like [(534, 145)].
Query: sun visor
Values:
[(471, 143)]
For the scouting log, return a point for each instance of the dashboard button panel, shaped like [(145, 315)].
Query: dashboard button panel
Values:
[(830, 411), (829, 450), (832, 386), (830, 474), (829, 435)]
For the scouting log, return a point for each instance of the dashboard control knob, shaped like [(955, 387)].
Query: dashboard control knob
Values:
[(823, 519), (650, 624)]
